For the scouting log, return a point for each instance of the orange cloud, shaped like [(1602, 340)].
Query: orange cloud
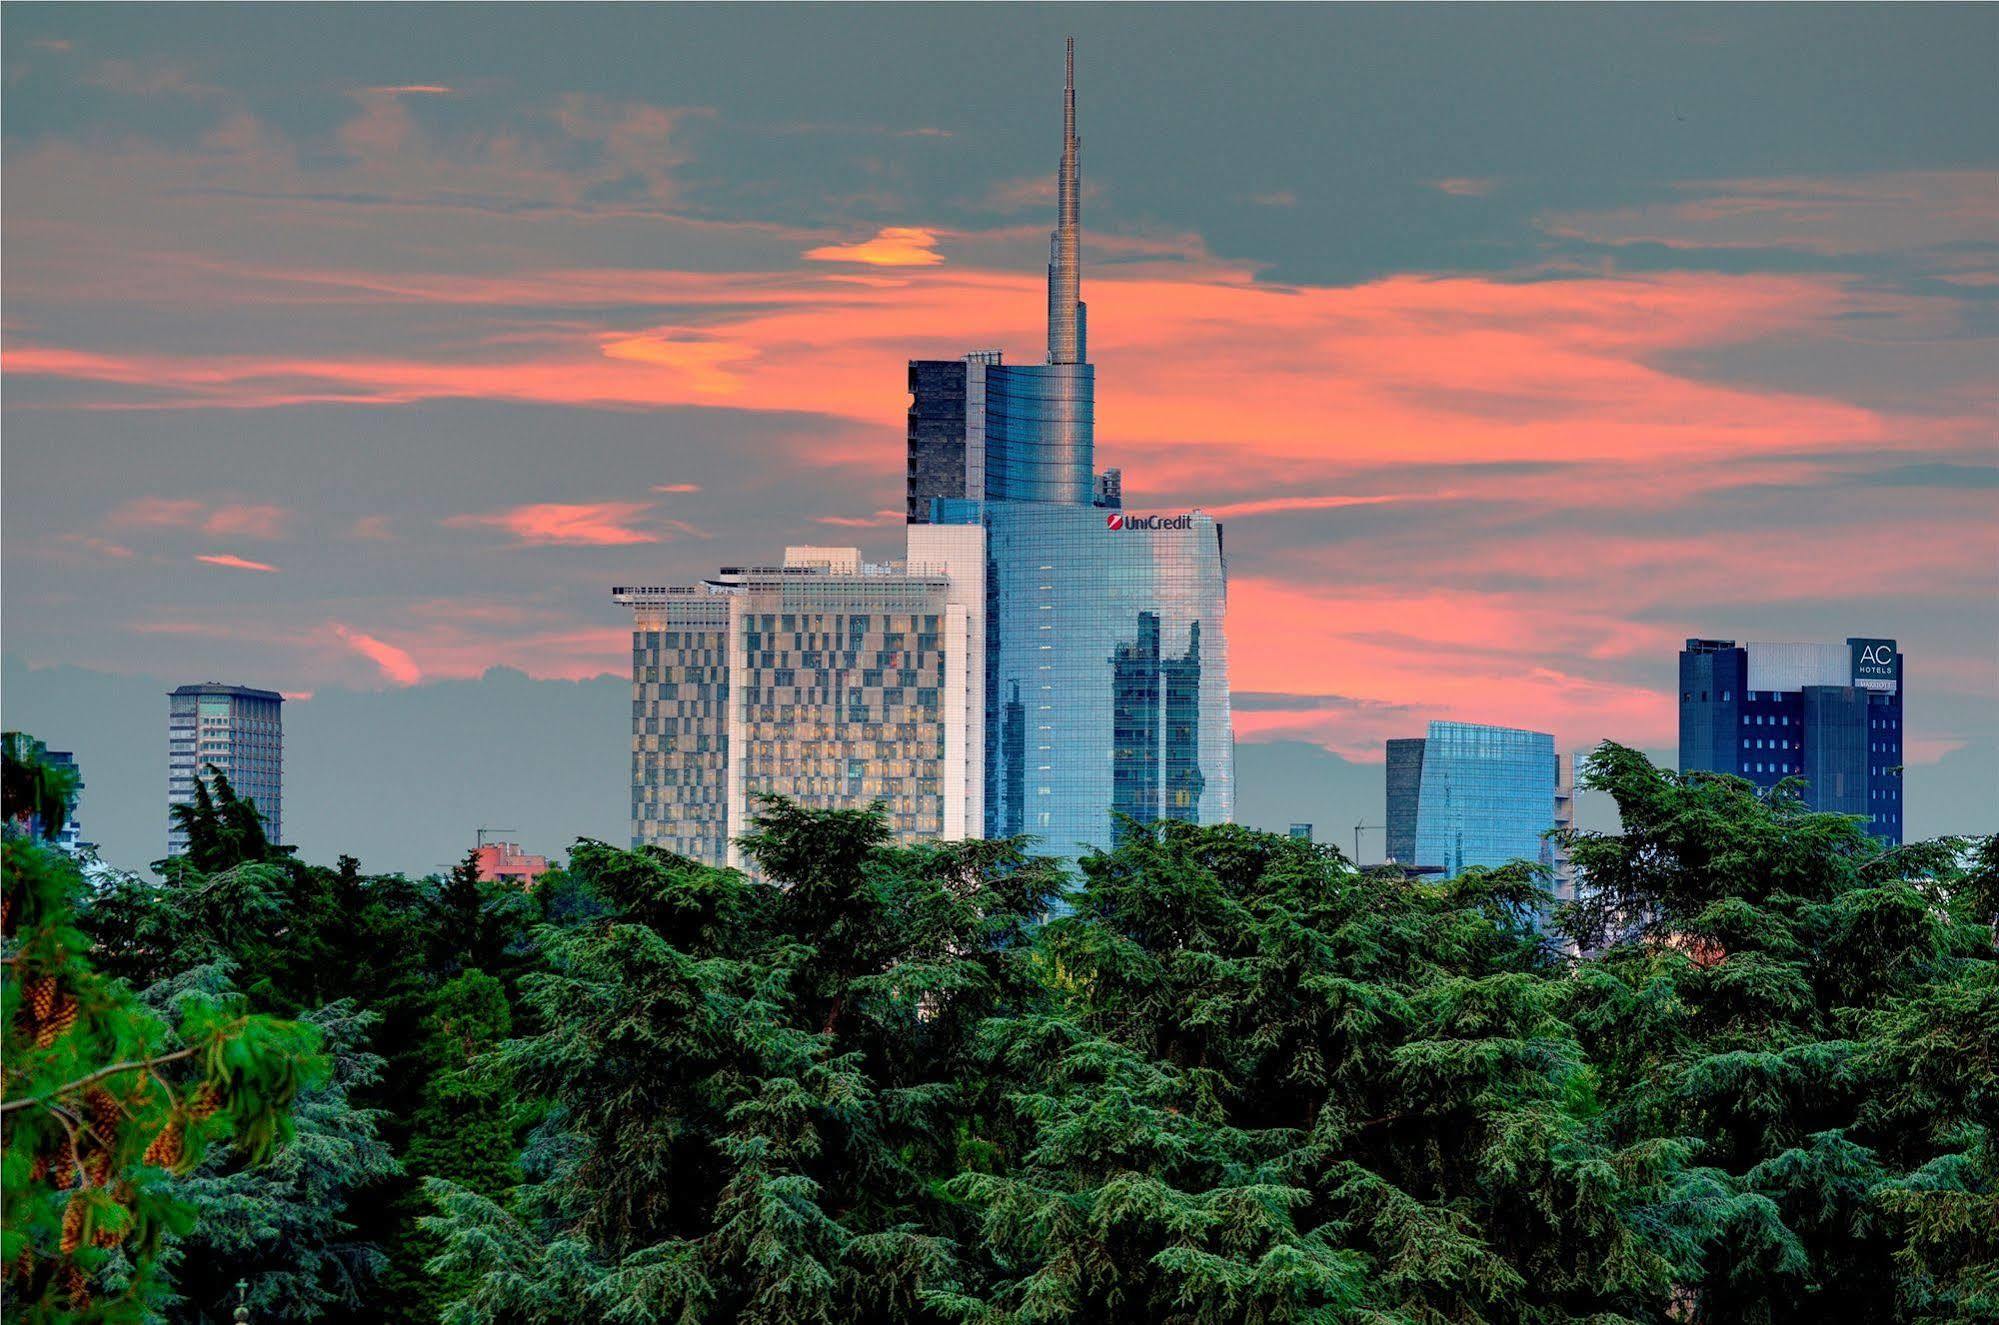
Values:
[(585, 524), (396, 664), (894, 246), (233, 562), (676, 487)]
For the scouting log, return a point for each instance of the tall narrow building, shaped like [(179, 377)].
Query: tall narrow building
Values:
[(1106, 685), (236, 729)]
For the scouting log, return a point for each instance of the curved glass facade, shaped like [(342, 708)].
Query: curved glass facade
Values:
[(1107, 671), (1040, 433), (1488, 793)]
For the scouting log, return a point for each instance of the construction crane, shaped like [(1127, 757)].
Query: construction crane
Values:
[(1358, 829), (483, 831)]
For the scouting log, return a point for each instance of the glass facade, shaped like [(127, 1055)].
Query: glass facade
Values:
[(1405, 787), (236, 729), (1040, 433), (1106, 672), (1488, 794)]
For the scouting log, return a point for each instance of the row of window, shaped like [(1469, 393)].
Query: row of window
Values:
[(1774, 745), (1773, 720), (1773, 768)]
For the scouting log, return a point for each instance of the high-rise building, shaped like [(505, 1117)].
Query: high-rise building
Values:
[(1106, 678), (1405, 785), (232, 728), (1071, 669), (1830, 714), (830, 680), (1480, 796)]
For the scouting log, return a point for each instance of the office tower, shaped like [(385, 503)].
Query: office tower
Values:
[(1486, 797), (1405, 785), (1106, 677), (829, 680), (1830, 714), (237, 730)]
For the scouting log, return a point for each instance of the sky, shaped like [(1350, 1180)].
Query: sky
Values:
[(356, 351)]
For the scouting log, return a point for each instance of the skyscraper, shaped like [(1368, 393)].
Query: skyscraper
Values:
[(1480, 796), (1071, 669), (1830, 714), (235, 729), (1106, 680)]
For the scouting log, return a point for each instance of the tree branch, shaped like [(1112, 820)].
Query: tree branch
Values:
[(113, 1070)]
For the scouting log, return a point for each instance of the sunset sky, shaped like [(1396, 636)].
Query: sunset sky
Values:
[(363, 348)]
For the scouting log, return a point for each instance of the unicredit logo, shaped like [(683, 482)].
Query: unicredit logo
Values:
[(1116, 522)]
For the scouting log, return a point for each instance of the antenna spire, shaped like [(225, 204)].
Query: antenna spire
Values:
[(1065, 259)]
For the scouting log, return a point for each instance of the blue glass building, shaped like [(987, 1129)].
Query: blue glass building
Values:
[(1106, 689), (1106, 671), (1830, 714), (1486, 796)]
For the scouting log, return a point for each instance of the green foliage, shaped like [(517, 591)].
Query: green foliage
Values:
[(1750, 1075), (109, 1105)]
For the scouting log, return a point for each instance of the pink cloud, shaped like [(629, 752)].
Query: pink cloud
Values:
[(233, 562), (585, 524), (1463, 187), (226, 521), (879, 519), (396, 664), (246, 521), (158, 512), (371, 528), (676, 487)]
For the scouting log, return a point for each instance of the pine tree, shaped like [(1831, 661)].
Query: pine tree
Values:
[(108, 1105)]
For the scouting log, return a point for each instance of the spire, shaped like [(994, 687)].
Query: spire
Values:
[(1065, 262)]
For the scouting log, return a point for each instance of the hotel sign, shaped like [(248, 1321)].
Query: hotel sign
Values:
[(1117, 522), (1873, 660)]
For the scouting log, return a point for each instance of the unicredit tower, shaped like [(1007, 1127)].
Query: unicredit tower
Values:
[(1105, 691)]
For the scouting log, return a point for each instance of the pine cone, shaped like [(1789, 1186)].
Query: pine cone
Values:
[(106, 1237), (55, 1026), (72, 1224), (206, 1101), (105, 1113), (78, 1285), (98, 1166), (39, 1170), (42, 997), (23, 1266), (167, 1147), (7, 915), (65, 1164)]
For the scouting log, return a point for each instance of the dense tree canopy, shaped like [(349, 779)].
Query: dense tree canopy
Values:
[(1750, 1074)]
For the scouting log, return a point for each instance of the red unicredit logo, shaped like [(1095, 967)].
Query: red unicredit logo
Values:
[(1114, 521)]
